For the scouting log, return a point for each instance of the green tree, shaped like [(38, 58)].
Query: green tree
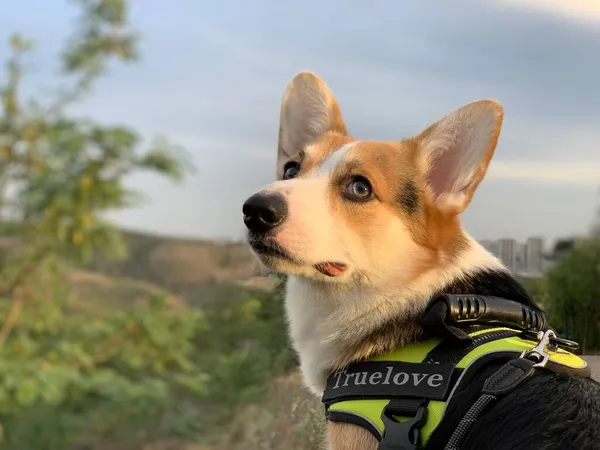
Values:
[(574, 294), (573, 291), (72, 379), (59, 173), (596, 224), (243, 347)]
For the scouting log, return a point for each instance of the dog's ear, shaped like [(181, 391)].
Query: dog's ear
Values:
[(455, 153), (308, 110)]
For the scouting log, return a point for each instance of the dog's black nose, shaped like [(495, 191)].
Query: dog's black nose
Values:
[(263, 212)]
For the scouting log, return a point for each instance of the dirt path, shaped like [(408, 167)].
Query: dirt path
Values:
[(594, 362)]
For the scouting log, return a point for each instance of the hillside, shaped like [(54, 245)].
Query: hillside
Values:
[(184, 267), (187, 268), (94, 292), (194, 271)]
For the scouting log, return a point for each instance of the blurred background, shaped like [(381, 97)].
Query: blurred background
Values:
[(132, 315)]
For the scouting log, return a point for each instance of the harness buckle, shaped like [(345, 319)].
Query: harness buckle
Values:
[(404, 435), (538, 354)]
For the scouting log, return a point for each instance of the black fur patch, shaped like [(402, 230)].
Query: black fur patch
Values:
[(408, 197), (547, 412), (407, 329)]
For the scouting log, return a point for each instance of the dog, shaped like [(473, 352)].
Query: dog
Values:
[(368, 233)]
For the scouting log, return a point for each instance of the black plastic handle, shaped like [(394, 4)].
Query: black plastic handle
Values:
[(485, 309)]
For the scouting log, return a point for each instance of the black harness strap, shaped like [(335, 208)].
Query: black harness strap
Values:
[(501, 383)]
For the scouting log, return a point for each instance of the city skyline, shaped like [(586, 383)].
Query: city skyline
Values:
[(531, 256)]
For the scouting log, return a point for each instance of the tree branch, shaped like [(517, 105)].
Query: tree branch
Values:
[(26, 271), (12, 317), (109, 346)]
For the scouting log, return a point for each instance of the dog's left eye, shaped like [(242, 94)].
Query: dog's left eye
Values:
[(290, 170), (359, 189)]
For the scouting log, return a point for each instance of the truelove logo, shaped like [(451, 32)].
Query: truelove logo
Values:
[(389, 379), (399, 379)]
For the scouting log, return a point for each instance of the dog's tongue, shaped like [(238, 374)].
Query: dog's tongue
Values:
[(331, 269)]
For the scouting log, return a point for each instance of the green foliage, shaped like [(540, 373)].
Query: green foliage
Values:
[(536, 287), (76, 379), (244, 346), (59, 173), (573, 294), (103, 34), (239, 378), (98, 376)]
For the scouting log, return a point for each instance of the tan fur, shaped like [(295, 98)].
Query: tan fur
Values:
[(349, 437), (399, 248)]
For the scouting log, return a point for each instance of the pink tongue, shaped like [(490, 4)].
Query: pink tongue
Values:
[(331, 269)]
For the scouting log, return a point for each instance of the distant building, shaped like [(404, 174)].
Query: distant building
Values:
[(528, 258), (509, 253), (534, 255)]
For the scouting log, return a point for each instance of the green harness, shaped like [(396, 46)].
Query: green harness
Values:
[(401, 397)]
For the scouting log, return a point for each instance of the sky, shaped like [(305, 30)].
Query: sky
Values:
[(213, 73)]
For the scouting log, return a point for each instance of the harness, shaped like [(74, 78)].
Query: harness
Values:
[(401, 397)]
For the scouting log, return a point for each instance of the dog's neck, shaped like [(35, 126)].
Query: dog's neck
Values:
[(332, 327)]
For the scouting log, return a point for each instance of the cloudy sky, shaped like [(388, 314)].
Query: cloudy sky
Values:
[(213, 74)]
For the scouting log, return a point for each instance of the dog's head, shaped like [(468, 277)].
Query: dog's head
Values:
[(379, 212)]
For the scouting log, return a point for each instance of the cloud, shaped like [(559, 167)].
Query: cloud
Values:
[(586, 10), (575, 173), (521, 208)]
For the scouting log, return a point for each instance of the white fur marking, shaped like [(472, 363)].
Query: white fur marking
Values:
[(334, 160)]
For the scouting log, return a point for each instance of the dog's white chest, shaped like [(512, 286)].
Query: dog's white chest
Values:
[(311, 320)]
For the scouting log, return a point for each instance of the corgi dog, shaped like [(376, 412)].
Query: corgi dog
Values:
[(368, 233)]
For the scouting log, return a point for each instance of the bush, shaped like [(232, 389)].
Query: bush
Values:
[(573, 294), (244, 347), (129, 377)]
